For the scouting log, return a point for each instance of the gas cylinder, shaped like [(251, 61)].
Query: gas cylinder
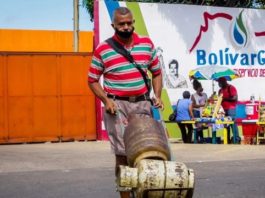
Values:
[(150, 172), (145, 138), (157, 179)]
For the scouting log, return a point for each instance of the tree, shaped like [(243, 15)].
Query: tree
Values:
[(89, 4)]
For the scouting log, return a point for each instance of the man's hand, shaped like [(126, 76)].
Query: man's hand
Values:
[(110, 107), (158, 103), (109, 104)]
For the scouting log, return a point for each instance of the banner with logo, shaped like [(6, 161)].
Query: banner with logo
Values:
[(190, 36), (196, 36)]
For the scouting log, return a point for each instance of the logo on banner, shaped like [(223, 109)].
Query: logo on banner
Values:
[(239, 32), (239, 39)]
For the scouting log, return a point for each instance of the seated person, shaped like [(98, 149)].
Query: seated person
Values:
[(184, 112)]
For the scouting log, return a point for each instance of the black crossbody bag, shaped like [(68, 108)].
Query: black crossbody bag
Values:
[(121, 50), (172, 117)]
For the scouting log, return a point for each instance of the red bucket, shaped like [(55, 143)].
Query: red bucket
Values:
[(249, 130)]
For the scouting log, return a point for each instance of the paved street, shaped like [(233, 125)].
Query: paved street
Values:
[(85, 170)]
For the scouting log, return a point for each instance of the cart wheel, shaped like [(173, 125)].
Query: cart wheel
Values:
[(190, 193), (132, 194)]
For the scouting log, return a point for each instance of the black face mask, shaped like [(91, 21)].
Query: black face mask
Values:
[(124, 35)]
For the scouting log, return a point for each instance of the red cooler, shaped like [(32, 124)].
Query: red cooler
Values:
[(252, 111), (249, 125)]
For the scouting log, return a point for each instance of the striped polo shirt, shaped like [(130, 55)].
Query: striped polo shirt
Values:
[(122, 78)]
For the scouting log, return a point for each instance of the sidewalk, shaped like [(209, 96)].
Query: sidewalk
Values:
[(71, 155), (86, 169)]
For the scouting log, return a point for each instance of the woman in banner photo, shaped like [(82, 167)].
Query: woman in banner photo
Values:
[(125, 90), (199, 99), (184, 113)]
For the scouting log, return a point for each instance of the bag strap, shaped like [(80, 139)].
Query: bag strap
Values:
[(175, 111), (121, 50)]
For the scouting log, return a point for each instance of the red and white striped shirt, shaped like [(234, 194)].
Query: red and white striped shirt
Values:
[(122, 78)]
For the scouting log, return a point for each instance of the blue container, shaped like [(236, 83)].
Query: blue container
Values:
[(155, 112), (241, 111)]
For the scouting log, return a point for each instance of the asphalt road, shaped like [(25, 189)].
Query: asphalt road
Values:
[(85, 170)]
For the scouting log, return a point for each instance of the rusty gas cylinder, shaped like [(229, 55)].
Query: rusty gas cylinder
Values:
[(145, 138), (158, 179), (164, 179)]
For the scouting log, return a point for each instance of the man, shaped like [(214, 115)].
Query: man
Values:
[(229, 102), (125, 90), (184, 112)]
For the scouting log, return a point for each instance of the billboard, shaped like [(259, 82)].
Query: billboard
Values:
[(197, 36), (191, 36)]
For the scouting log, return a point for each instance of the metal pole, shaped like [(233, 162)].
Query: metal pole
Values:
[(76, 25)]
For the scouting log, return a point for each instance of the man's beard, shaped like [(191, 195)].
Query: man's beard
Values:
[(124, 35)]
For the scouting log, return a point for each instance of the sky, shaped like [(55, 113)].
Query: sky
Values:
[(42, 15)]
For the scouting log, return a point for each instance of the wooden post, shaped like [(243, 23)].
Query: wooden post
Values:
[(76, 25)]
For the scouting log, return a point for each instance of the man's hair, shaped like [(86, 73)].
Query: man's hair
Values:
[(121, 11), (174, 61), (222, 80), (186, 94), (196, 84)]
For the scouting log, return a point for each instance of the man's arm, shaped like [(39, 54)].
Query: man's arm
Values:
[(97, 89), (157, 87), (191, 112)]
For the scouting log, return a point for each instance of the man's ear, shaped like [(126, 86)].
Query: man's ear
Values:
[(112, 25)]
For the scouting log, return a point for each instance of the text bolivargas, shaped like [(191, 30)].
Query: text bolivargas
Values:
[(224, 57)]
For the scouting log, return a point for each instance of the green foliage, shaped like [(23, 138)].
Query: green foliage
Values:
[(260, 4), (89, 4)]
